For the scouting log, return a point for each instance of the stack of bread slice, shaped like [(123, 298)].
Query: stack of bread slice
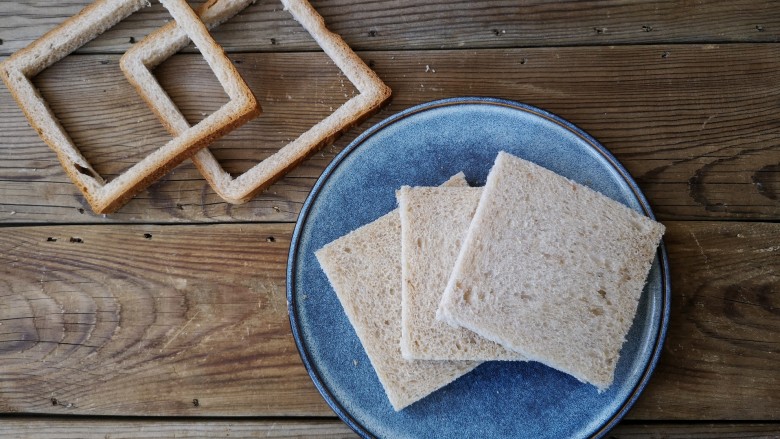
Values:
[(533, 267), (364, 268)]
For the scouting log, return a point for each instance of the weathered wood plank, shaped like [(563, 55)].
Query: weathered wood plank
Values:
[(631, 430), (149, 320), (50, 428), (720, 360), (380, 25), (696, 125), (145, 319)]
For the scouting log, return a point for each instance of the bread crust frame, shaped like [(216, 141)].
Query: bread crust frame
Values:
[(161, 44), (102, 196)]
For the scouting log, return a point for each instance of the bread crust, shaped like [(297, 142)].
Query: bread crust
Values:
[(373, 94), (102, 196)]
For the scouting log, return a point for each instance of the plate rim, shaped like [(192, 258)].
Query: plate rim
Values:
[(292, 259)]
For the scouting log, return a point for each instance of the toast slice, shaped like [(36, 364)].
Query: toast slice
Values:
[(364, 268), (551, 269), (160, 45), (106, 197), (434, 222)]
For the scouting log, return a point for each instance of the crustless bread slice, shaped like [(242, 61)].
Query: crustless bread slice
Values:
[(434, 222), (551, 269), (364, 268), (105, 197), (157, 47)]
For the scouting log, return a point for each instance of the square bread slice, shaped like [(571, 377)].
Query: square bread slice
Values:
[(158, 46), (102, 196), (434, 222), (364, 268), (551, 269)]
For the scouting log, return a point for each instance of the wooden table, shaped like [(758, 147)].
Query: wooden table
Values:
[(169, 316)]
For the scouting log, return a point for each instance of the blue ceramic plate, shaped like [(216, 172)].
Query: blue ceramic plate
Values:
[(424, 146)]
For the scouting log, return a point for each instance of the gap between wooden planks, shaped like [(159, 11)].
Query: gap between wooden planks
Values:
[(45, 428), (695, 125), (435, 24), (145, 320)]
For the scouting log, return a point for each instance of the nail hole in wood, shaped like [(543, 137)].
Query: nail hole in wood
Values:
[(372, 33), (270, 239), (195, 402), (76, 240), (54, 401), (132, 40), (81, 210), (148, 235), (50, 239)]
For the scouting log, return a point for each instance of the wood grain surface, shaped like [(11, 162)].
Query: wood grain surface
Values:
[(59, 428), (435, 24), (168, 318), (682, 119), (724, 331), (192, 320), (148, 320)]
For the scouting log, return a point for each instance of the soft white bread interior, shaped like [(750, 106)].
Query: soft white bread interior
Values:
[(364, 268), (551, 269), (434, 222)]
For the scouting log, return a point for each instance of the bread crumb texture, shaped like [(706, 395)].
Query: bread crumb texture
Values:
[(552, 269), (364, 268), (434, 222)]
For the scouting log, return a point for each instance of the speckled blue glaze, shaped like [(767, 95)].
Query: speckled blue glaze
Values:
[(425, 145)]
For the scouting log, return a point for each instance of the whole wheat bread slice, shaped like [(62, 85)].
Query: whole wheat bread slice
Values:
[(551, 269), (434, 222), (160, 45), (106, 197), (364, 268)]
